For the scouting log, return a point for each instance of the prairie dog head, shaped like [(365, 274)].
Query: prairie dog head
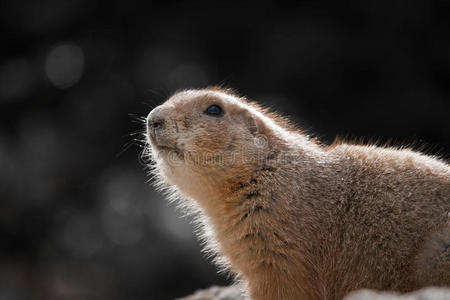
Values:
[(202, 139)]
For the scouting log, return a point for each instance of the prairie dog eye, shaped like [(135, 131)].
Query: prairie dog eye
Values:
[(214, 110)]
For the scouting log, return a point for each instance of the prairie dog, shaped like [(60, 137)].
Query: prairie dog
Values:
[(295, 219)]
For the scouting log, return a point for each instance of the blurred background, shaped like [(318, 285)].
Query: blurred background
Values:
[(78, 218)]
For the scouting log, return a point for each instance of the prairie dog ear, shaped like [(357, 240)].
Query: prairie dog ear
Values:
[(251, 123)]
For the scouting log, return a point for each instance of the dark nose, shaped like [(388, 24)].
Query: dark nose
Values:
[(155, 120)]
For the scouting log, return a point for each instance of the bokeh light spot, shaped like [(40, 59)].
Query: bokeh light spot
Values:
[(64, 65)]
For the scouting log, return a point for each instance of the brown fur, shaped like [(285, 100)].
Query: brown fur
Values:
[(298, 220)]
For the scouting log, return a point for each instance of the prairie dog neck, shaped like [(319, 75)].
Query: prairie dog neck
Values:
[(254, 224)]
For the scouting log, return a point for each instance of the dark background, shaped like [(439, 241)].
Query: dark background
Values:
[(78, 219)]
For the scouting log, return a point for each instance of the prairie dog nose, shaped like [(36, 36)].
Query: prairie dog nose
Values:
[(155, 119)]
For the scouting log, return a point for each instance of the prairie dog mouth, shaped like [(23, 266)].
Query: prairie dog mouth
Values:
[(164, 149), (160, 141)]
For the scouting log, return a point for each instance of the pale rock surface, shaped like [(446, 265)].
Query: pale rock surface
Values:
[(424, 294), (234, 293), (217, 293)]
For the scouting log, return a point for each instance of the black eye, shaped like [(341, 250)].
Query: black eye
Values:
[(214, 110)]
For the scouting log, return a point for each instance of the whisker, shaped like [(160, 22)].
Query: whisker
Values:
[(125, 148), (159, 94), (139, 118), (141, 132)]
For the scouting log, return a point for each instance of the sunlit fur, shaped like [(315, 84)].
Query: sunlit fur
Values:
[(302, 220)]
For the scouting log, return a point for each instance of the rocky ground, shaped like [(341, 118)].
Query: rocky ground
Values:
[(233, 293)]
